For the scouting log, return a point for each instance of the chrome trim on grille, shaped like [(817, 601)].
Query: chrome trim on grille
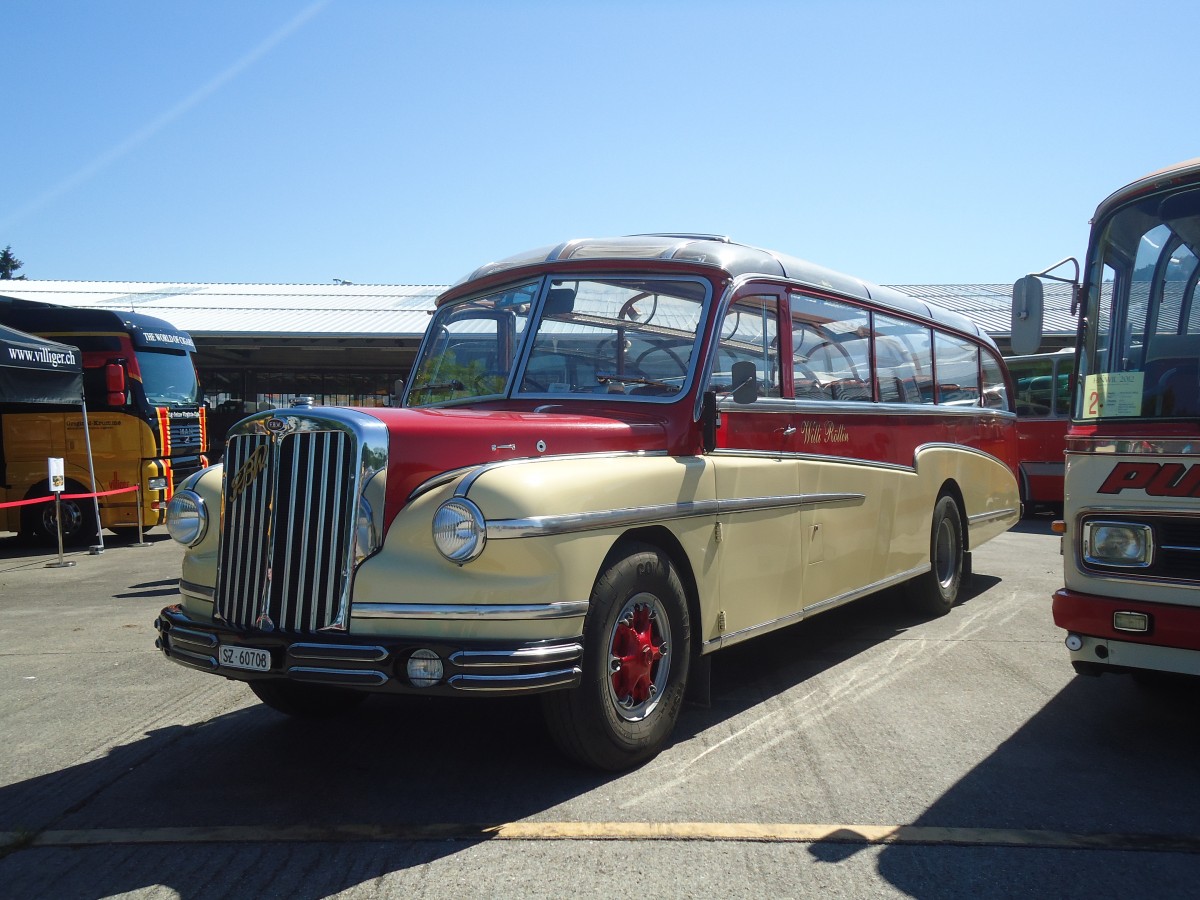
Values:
[(459, 611), (567, 523), (302, 507)]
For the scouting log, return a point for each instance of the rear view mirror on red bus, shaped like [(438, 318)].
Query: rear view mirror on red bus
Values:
[(1027, 315)]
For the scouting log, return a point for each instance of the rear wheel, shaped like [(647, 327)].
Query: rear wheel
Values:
[(306, 701), (936, 592), (637, 637)]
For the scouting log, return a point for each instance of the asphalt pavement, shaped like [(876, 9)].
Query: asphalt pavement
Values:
[(864, 753)]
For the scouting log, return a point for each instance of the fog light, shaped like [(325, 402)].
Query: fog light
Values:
[(1131, 621), (156, 484), (424, 668), (1074, 642)]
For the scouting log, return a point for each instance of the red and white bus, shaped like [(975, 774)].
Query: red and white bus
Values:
[(1042, 382), (615, 457), (1131, 523)]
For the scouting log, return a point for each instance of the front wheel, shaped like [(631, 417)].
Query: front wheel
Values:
[(936, 592), (306, 701), (40, 521), (636, 654)]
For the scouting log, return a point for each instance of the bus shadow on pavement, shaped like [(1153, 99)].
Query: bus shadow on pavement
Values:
[(396, 762)]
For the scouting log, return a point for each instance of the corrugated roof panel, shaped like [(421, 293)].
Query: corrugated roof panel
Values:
[(340, 310)]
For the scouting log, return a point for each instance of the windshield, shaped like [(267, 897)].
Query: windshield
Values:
[(169, 379), (1143, 345), (616, 336)]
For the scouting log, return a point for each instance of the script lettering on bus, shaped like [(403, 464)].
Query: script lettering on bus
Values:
[(813, 432), (1156, 479), (249, 471)]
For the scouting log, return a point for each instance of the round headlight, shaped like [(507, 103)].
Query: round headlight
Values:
[(187, 518), (459, 531)]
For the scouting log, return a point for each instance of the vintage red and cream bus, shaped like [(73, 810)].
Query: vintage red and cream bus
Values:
[(1042, 382), (1131, 523), (614, 458)]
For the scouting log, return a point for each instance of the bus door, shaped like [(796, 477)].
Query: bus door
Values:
[(759, 523)]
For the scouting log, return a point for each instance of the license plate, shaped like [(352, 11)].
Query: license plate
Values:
[(232, 657)]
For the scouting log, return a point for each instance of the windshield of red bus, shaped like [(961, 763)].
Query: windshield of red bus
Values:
[(621, 337), (168, 378), (1142, 351)]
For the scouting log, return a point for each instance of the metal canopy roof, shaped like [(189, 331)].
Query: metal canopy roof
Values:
[(319, 311)]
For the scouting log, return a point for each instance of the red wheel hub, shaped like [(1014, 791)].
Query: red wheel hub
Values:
[(638, 647)]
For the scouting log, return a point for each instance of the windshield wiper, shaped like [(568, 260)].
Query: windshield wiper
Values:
[(453, 385), (606, 377)]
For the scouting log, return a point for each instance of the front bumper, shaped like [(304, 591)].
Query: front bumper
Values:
[(470, 667)]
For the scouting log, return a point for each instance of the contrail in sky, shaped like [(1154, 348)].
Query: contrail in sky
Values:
[(147, 131)]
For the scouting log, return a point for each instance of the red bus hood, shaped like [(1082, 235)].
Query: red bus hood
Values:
[(423, 443)]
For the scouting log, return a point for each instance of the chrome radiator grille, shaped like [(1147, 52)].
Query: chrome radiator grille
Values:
[(290, 506)]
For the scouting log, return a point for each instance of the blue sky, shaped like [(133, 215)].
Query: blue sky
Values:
[(383, 141)]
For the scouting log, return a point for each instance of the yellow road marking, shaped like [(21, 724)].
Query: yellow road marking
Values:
[(615, 831)]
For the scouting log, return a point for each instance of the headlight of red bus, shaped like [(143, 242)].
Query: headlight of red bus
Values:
[(187, 518), (459, 531)]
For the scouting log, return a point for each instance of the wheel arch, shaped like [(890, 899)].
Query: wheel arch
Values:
[(951, 489), (662, 538)]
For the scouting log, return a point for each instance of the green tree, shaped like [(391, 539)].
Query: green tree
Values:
[(9, 264)]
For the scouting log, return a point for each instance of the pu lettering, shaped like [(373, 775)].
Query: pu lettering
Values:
[(1156, 479)]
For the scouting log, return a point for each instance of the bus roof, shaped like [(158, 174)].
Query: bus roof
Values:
[(147, 331), (1183, 173), (733, 258)]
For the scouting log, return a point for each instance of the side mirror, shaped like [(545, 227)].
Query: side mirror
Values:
[(745, 382), (1027, 309), (114, 383)]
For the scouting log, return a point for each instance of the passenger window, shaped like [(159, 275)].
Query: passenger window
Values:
[(831, 350), (1035, 387), (903, 361), (995, 392), (749, 333), (957, 371)]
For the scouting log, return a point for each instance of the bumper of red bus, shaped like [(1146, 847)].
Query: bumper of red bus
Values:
[(1170, 643)]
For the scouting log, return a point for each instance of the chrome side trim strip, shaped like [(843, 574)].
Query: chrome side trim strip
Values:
[(464, 486), (1140, 447), (812, 457), (203, 591), (567, 523), (538, 680), (804, 406), (562, 653), (437, 481), (980, 518), (459, 611), (736, 637)]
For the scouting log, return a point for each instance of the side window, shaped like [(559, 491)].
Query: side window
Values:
[(1034, 380), (995, 394), (831, 349), (957, 371), (749, 333), (903, 361)]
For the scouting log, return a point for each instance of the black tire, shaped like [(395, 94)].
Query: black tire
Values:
[(39, 521), (622, 715), (936, 592), (306, 701)]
